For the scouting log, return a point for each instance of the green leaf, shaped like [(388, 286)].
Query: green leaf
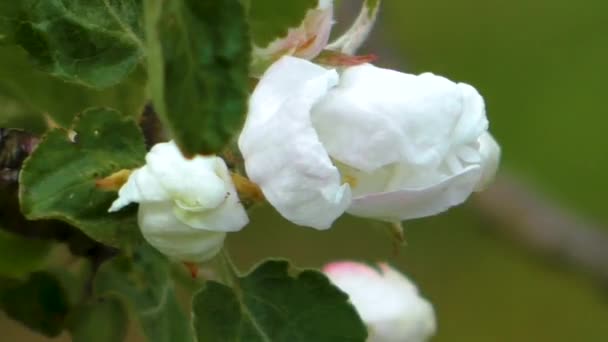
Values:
[(270, 305), (41, 303), (198, 65), (20, 256), (267, 26), (96, 43), (57, 181), (15, 114), (9, 12), (37, 92), (143, 282), (104, 320)]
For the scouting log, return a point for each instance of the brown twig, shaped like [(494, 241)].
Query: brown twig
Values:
[(530, 218)]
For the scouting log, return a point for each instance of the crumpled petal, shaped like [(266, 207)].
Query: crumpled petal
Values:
[(141, 186), (282, 151), (230, 216), (376, 117), (175, 239), (192, 183), (410, 203), (473, 121), (387, 301), (490, 158)]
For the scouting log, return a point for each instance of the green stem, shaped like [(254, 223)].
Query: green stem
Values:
[(227, 271)]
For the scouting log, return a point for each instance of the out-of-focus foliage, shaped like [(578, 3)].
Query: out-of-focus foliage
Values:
[(20, 256), (41, 302), (28, 91), (198, 62), (142, 281), (102, 320)]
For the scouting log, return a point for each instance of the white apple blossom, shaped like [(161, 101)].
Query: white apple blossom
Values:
[(186, 206), (374, 142), (306, 40), (387, 302)]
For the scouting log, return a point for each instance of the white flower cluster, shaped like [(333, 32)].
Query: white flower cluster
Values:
[(320, 142)]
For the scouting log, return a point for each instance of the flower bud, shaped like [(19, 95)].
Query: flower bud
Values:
[(388, 303), (374, 142), (186, 205)]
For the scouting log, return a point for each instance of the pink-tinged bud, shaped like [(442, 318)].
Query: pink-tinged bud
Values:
[(387, 301)]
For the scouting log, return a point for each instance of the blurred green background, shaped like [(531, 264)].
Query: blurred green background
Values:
[(541, 66)]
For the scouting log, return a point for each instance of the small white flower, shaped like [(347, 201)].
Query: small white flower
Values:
[(305, 41), (186, 206), (373, 142), (388, 303)]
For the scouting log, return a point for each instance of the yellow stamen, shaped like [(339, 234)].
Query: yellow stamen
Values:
[(350, 180), (248, 190)]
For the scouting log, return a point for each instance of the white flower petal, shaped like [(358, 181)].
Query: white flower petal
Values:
[(175, 239), (473, 121), (185, 206), (140, 187), (377, 116), (230, 216), (410, 203), (192, 183), (282, 151), (387, 302), (490, 158)]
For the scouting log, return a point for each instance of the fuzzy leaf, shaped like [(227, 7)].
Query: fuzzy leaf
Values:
[(96, 43), (57, 181), (99, 321), (9, 12), (38, 92), (143, 282), (20, 256), (198, 64), (270, 305), (41, 303)]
